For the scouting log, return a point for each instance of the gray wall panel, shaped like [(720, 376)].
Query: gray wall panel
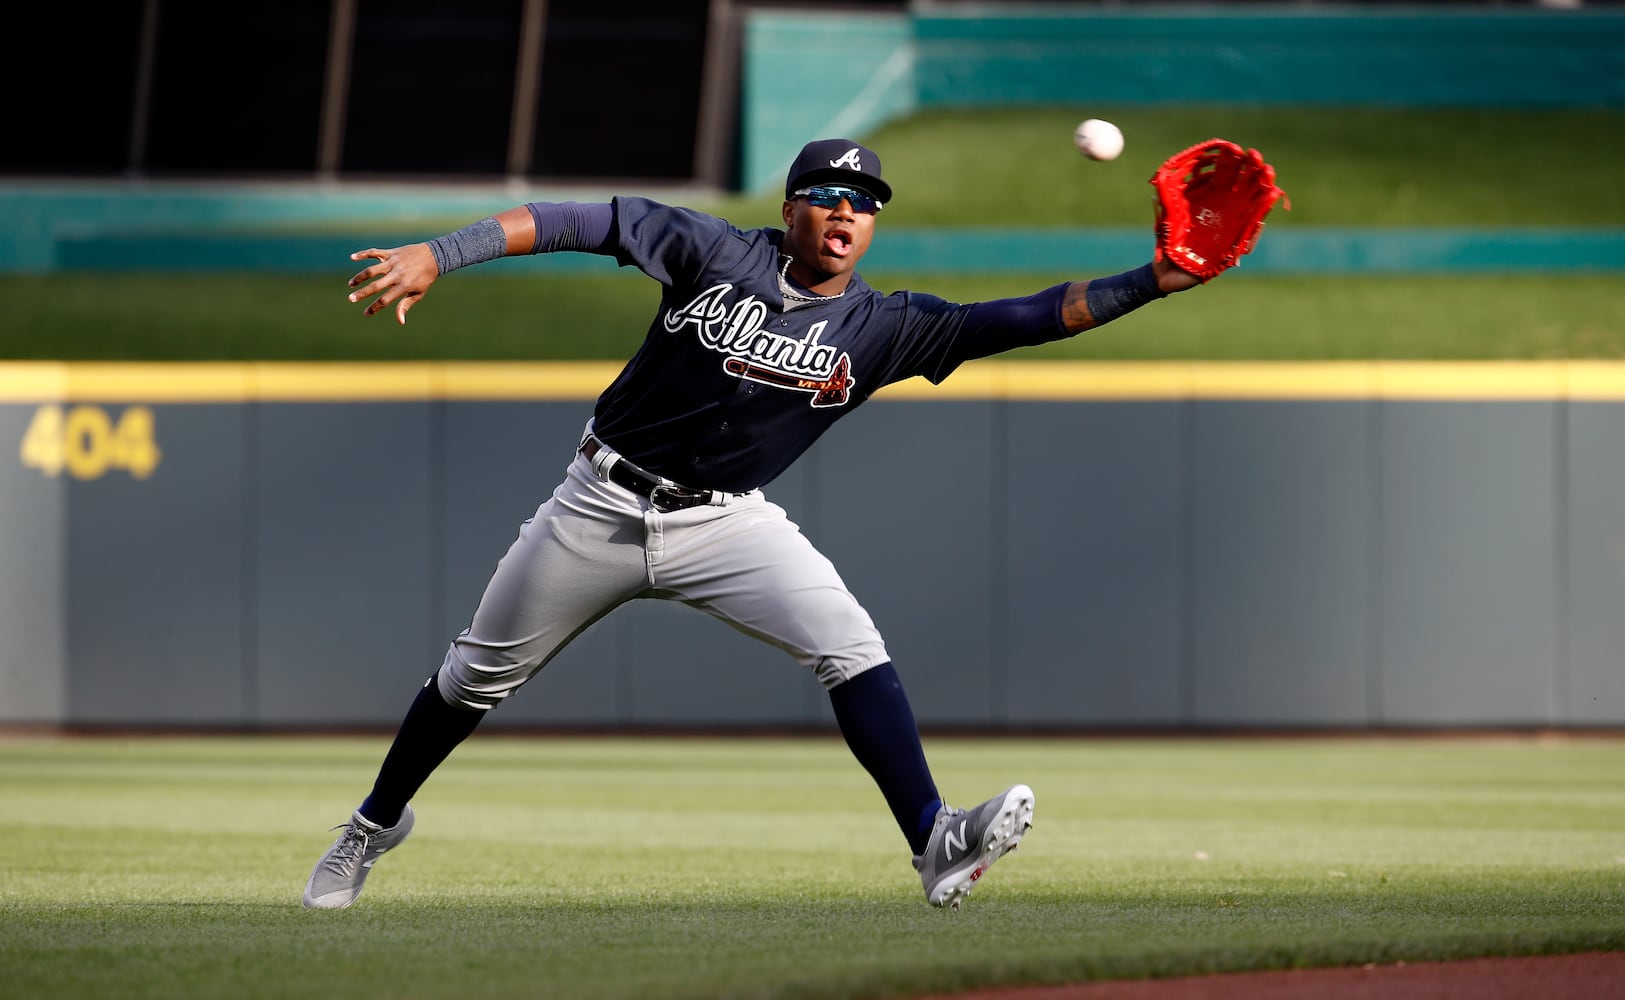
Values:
[(1282, 566), (33, 661), (906, 495), (1094, 523), (685, 667), (155, 580), (1467, 571), (343, 562), (1593, 685), (502, 461), (1030, 563)]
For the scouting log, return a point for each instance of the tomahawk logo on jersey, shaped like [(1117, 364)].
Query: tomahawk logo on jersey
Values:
[(832, 391)]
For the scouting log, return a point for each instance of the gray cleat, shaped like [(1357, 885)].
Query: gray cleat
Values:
[(964, 843), (336, 881)]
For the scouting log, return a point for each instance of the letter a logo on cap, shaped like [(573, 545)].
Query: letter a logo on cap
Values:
[(848, 159)]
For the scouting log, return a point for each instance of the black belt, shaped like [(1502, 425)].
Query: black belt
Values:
[(663, 494)]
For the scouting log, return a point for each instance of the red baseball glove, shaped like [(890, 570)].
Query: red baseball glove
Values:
[(1211, 203)]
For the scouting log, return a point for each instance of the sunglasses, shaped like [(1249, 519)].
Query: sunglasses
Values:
[(831, 195)]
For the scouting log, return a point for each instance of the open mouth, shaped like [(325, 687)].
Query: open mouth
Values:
[(838, 242)]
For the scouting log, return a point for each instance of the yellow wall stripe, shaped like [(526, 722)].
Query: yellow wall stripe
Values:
[(231, 382)]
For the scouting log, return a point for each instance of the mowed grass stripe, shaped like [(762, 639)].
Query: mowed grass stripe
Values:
[(712, 867)]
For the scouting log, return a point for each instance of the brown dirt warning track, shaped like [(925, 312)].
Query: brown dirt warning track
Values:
[(1589, 976)]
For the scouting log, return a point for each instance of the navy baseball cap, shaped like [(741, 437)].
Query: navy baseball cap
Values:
[(837, 161)]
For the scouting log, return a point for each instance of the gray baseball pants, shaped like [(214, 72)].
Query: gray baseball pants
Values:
[(595, 545)]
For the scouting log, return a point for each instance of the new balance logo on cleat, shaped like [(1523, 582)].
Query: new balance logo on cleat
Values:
[(963, 844), (337, 879)]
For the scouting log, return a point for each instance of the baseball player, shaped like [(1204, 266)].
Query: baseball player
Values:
[(763, 339)]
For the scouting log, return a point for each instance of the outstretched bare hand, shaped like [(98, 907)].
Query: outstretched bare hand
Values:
[(401, 279)]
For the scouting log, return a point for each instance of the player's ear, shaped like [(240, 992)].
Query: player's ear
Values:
[(789, 212)]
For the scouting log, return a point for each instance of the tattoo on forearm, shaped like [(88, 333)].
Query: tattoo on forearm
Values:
[(1075, 308)]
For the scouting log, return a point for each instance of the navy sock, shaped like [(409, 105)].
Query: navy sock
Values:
[(429, 733), (878, 725)]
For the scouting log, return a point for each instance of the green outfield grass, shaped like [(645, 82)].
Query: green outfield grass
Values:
[(1340, 166), (552, 867), (1363, 166), (598, 317)]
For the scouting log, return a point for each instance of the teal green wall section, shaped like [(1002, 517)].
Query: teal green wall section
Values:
[(1267, 55), (807, 75), (1282, 251), (36, 217), (947, 251), (56, 227)]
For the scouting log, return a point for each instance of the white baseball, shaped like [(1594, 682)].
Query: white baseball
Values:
[(1098, 139)]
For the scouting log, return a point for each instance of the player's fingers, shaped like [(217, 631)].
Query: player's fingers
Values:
[(406, 303), (399, 278), (367, 275), (400, 297), (388, 259), (388, 291), (369, 291)]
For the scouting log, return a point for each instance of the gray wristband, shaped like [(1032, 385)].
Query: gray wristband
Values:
[(1109, 298), (475, 244)]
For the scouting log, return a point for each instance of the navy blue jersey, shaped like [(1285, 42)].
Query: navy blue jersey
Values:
[(729, 387)]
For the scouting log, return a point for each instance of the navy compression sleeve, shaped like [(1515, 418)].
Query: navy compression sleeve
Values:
[(1004, 324), (569, 225)]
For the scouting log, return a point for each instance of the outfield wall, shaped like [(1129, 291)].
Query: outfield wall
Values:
[(1070, 545)]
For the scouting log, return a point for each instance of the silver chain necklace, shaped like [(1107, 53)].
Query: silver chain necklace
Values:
[(791, 293)]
